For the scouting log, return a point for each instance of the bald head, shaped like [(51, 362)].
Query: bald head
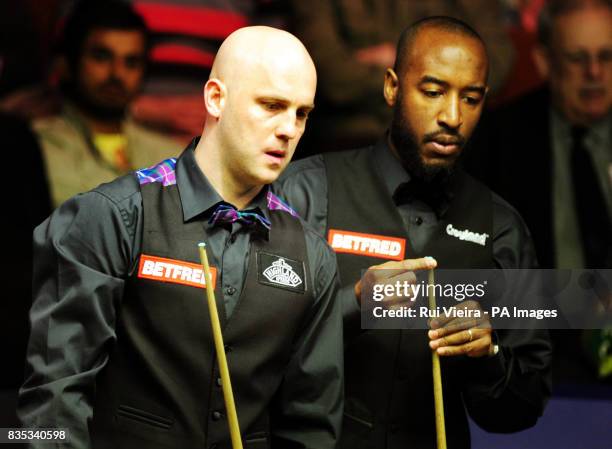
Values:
[(435, 24), (552, 9), (259, 46)]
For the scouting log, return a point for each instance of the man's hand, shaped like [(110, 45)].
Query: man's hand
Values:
[(390, 273), (466, 335)]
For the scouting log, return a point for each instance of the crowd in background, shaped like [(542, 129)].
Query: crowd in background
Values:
[(351, 43)]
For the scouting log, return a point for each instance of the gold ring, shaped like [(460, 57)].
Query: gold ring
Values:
[(471, 335), (493, 350)]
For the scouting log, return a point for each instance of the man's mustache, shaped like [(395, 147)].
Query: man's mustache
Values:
[(113, 83), (446, 136)]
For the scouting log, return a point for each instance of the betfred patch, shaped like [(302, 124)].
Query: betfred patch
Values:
[(373, 245), (174, 271), (278, 271)]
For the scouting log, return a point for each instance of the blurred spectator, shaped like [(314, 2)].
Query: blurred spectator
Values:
[(533, 138), (104, 51), (550, 152), (184, 36), (352, 45)]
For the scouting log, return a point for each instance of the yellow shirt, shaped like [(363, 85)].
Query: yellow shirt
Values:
[(74, 163), (113, 149)]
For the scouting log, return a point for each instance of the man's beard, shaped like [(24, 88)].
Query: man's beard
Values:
[(407, 146), (94, 108)]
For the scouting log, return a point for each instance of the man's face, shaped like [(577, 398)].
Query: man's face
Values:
[(580, 64), (110, 70), (264, 119), (437, 101)]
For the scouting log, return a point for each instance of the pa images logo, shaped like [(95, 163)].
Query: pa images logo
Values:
[(278, 271)]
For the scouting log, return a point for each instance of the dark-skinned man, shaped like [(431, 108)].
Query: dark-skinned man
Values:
[(408, 189)]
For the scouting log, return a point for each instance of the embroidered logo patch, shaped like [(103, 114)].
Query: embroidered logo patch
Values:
[(392, 248), (174, 271), (278, 271), (467, 235)]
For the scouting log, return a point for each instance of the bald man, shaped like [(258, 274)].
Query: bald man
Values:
[(121, 352)]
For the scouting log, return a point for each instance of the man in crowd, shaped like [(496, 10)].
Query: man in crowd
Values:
[(92, 140), (553, 156), (121, 349), (551, 137), (408, 189)]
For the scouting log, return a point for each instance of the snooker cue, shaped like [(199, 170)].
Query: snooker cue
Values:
[(437, 377), (228, 395)]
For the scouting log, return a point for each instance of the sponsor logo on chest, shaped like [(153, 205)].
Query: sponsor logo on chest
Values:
[(372, 245), (279, 271), (467, 235), (174, 271)]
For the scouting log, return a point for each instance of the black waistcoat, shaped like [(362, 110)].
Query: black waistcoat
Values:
[(161, 386), (389, 393)]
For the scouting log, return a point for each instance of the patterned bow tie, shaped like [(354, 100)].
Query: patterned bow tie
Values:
[(225, 213)]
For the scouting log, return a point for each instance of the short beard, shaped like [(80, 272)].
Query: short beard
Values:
[(405, 141), (92, 108)]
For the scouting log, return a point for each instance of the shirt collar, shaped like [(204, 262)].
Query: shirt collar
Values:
[(600, 132), (389, 167), (197, 193)]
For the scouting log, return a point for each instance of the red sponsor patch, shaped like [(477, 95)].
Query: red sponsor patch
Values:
[(373, 245), (174, 271)]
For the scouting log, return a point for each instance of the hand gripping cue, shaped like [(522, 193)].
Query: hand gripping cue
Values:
[(228, 395)]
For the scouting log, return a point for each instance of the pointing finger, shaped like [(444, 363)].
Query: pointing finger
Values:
[(424, 263)]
